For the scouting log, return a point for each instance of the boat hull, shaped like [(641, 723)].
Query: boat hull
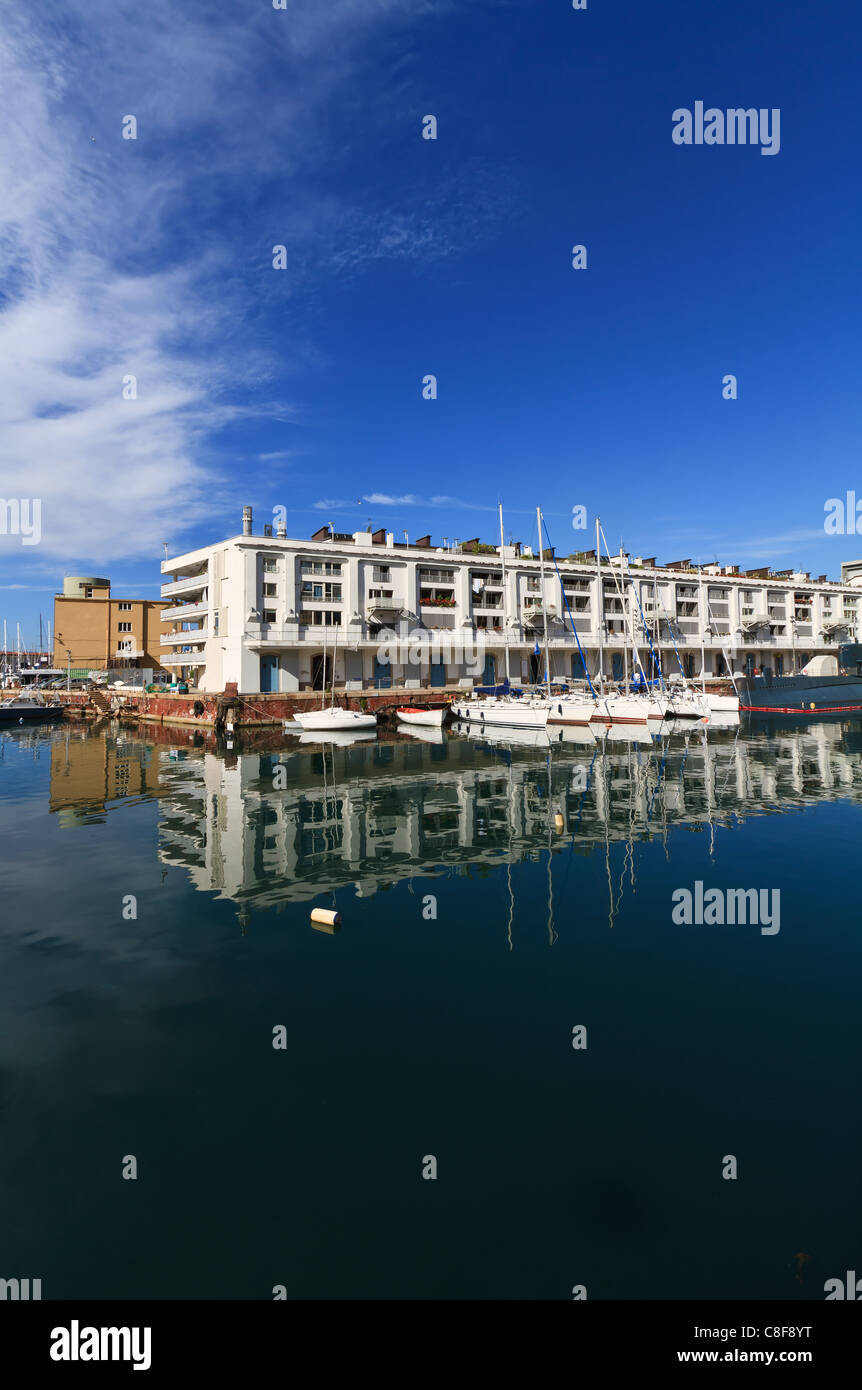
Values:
[(511, 714), (335, 721), (800, 694), (432, 717), (48, 715)]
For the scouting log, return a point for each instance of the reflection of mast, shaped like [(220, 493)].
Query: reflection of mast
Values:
[(509, 861)]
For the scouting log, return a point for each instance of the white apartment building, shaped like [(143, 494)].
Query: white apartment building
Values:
[(263, 610)]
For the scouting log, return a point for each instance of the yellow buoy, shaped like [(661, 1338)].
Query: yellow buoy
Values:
[(559, 823), (322, 918)]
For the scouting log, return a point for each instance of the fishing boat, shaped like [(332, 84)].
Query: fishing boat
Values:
[(334, 719), (422, 714), (29, 709)]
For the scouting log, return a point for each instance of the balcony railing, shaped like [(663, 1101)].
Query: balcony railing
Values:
[(194, 585), (182, 612), (173, 639)]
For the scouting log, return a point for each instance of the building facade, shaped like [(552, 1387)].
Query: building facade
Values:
[(95, 632), (270, 612)]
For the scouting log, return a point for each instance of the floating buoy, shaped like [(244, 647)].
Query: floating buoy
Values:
[(321, 917), (559, 823)]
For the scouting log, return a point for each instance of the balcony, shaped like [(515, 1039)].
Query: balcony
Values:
[(534, 614), (195, 585), (128, 654), (184, 612), (383, 610), (184, 659), (173, 639)]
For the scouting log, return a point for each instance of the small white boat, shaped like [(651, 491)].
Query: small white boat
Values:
[(335, 720), (422, 714)]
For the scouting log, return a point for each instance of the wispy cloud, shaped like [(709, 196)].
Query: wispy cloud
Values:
[(134, 258)]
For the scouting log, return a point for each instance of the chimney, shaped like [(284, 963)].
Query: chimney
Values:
[(246, 521), (379, 537), (281, 531)]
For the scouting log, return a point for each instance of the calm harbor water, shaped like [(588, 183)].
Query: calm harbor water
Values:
[(478, 932)]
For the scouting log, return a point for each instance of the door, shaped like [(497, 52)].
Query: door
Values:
[(489, 675), (317, 671), (618, 666), (438, 675), (268, 674), (382, 674), (535, 669)]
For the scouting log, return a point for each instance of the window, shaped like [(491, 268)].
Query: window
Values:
[(215, 623), (320, 567), (124, 627), (320, 593), (319, 617), (270, 590), (269, 566), (379, 593), (125, 607), (269, 615), (381, 574)]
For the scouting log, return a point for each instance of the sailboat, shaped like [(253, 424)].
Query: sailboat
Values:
[(723, 704), (512, 711), (334, 719)]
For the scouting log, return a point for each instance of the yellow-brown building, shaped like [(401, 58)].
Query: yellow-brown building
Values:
[(104, 633)]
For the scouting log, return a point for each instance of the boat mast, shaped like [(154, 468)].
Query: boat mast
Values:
[(334, 653), (323, 677), (544, 601), (505, 596), (702, 630), (626, 625), (601, 610)]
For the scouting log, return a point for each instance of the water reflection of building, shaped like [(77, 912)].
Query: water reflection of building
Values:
[(374, 815), (89, 773)]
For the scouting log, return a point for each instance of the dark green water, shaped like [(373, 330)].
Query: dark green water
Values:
[(410, 1035)]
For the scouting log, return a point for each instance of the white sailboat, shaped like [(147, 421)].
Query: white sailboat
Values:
[(724, 704), (511, 711), (334, 719)]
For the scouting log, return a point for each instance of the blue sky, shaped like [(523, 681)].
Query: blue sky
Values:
[(302, 388)]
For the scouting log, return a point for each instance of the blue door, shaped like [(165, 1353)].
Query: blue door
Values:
[(618, 666), (268, 674), (438, 675), (382, 674), (489, 675)]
